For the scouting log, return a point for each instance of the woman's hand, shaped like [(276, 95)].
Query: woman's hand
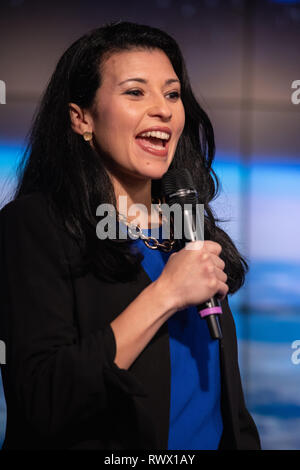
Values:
[(193, 275), (190, 277)]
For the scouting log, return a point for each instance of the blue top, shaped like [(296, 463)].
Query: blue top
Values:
[(195, 411)]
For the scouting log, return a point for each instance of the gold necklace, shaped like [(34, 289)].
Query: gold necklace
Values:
[(151, 242)]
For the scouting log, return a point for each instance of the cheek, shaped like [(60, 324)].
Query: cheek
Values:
[(117, 123), (114, 131), (179, 119), (182, 119)]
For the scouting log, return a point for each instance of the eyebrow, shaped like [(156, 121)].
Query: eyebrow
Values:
[(142, 80)]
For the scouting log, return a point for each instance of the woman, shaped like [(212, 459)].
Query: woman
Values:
[(104, 347)]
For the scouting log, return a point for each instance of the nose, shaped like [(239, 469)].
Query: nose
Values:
[(160, 107)]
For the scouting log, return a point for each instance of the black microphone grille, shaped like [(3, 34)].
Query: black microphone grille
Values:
[(176, 179)]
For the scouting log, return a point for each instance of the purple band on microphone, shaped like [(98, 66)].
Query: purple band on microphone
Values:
[(210, 311)]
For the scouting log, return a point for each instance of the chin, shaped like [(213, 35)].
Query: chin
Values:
[(155, 171)]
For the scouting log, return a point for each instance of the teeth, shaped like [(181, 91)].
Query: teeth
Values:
[(158, 147), (157, 134)]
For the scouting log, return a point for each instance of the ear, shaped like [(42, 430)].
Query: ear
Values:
[(81, 120)]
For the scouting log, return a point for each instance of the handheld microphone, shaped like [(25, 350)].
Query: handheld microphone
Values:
[(178, 188)]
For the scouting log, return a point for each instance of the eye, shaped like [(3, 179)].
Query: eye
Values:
[(133, 92), (174, 95)]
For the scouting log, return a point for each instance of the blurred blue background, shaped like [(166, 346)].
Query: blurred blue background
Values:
[(242, 57)]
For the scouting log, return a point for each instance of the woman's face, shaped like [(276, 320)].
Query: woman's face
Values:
[(139, 92)]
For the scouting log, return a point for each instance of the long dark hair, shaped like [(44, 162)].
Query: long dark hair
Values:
[(72, 176)]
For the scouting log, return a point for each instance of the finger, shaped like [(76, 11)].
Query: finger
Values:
[(217, 273), (221, 275), (222, 291), (218, 262), (212, 247), (213, 260)]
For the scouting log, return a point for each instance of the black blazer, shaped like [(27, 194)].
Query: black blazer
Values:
[(62, 387)]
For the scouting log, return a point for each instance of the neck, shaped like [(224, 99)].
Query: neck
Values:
[(136, 191)]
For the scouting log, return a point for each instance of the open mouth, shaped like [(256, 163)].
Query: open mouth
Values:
[(154, 139), (154, 142)]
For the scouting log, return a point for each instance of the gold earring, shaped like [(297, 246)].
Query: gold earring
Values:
[(87, 136)]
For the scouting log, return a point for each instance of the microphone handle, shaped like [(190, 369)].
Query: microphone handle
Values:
[(210, 310)]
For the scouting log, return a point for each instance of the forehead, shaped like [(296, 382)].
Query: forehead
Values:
[(136, 63)]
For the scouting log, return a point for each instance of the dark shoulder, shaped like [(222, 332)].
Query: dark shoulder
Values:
[(31, 210), (35, 217), (32, 231), (25, 206), (30, 216)]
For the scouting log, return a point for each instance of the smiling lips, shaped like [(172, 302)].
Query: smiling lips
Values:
[(155, 141)]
